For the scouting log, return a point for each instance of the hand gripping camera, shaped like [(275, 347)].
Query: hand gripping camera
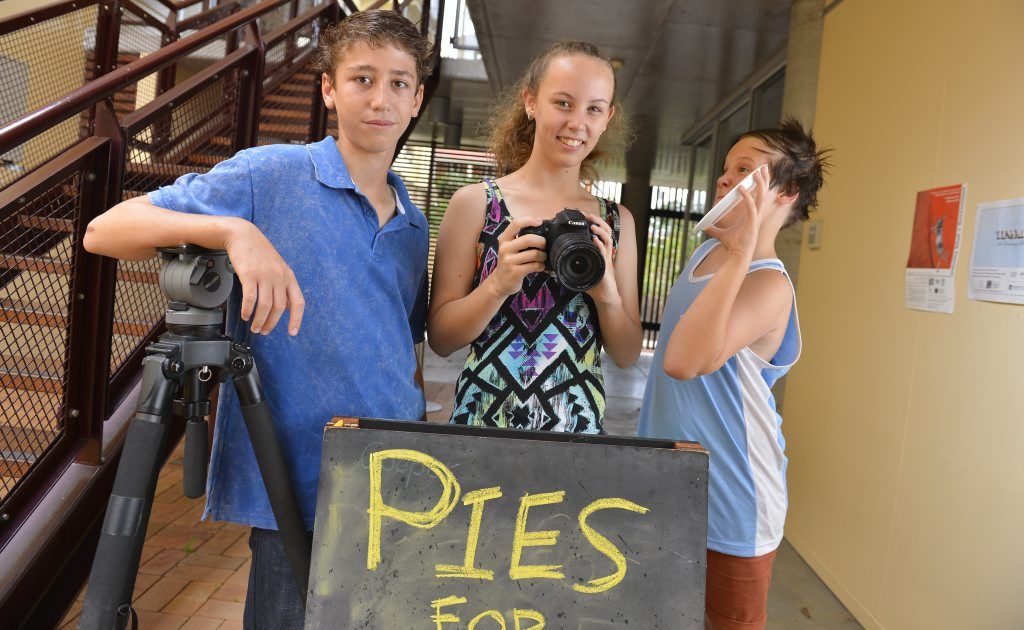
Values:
[(572, 256)]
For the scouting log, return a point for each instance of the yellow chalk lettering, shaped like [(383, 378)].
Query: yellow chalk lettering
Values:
[(476, 498), (438, 604), (424, 520), (493, 614), (530, 615), (523, 538), (604, 545)]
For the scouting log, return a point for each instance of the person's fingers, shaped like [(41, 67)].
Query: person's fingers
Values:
[(515, 225), (296, 307), (263, 305), (527, 241), (761, 185), (604, 233), (527, 256), (602, 229), (713, 232), (510, 232), (598, 220), (248, 297), (749, 207), (280, 300)]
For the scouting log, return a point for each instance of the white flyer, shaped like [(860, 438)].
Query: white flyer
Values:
[(997, 262)]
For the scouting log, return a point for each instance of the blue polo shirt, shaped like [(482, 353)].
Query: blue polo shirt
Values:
[(365, 292)]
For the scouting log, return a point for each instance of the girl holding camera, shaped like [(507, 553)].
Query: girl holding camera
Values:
[(535, 343)]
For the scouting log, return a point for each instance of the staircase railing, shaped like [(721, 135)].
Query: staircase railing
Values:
[(73, 325)]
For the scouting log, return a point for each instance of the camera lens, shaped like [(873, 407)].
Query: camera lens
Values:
[(572, 255), (579, 266)]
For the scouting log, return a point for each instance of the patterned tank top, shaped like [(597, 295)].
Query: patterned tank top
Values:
[(537, 364)]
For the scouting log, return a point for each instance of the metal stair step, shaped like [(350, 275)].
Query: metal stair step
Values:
[(286, 99), (285, 113), (42, 341), (32, 381), (27, 314), (13, 468), (46, 223), (19, 408), (27, 441), (284, 129)]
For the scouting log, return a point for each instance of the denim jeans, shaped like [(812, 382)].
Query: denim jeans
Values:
[(272, 601)]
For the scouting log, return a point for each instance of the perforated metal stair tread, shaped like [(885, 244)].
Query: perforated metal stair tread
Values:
[(46, 223), (285, 113), (20, 408), (289, 100), (32, 381), (21, 315)]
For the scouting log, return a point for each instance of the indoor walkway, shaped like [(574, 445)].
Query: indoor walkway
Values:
[(193, 575)]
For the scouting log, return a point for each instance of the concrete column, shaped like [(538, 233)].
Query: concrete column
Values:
[(802, 57), (636, 195), (799, 97), (636, 188)]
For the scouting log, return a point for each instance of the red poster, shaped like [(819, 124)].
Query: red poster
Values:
[(931, 265), (936, 221)]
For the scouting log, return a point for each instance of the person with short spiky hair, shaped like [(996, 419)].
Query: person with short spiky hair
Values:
[(330, 218), (730, 332)]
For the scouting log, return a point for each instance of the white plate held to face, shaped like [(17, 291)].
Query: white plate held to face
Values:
[(729, 201)]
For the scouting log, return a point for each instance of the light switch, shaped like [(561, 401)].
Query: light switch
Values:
[(814, 234)]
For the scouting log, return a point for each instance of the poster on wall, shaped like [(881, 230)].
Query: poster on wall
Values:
[(997, 262), (934, 246)]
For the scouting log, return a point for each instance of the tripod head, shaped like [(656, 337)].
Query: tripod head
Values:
[(197, 281)]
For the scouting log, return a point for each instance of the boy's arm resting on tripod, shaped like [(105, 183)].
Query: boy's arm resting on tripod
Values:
[(134, 229)]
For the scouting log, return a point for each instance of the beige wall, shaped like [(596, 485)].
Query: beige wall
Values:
[(14, 7), (53, 54), (906, 429)]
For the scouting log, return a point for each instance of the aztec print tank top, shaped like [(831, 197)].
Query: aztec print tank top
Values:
[(537, 364)]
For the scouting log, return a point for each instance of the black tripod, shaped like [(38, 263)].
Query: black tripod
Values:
[(176, 370)]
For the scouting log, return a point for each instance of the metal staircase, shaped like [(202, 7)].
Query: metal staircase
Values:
[(157, 99)]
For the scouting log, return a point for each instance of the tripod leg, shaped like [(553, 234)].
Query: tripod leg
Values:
[(193, 407), (112, 577), (297, 542)]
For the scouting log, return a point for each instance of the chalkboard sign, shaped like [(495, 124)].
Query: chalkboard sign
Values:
[(436, 527)]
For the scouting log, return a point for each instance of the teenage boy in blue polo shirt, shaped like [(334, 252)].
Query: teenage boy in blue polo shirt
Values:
[(327, 217)]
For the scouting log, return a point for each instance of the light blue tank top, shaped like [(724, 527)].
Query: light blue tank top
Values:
[(732, 413)]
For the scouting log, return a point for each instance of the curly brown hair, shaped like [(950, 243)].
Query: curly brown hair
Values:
[(377, 28), (511, 132), (800, 168)]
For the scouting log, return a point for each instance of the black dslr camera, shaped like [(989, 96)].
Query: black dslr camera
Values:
[(572, 256)]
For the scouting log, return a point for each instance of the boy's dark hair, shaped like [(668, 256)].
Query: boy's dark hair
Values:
[(377, 28), (800, 168)]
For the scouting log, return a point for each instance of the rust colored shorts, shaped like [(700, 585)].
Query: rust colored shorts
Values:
[(737, 591)]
